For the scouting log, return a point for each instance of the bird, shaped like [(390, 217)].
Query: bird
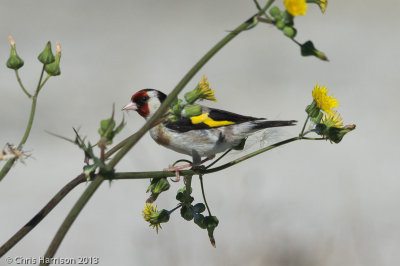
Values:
[(205, 135)]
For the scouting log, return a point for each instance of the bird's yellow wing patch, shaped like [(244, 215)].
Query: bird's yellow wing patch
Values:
[(203, 118)]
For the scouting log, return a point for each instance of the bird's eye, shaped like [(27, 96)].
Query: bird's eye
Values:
[(142, 100)]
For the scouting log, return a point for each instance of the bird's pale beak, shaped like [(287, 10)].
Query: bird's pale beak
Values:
[(130, 106)]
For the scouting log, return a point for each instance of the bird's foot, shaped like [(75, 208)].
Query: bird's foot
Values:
[(198, 166), (176, 170)]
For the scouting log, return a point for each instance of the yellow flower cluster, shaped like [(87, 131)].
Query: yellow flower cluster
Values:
[(205, 90), (324, 102), (149, 214), (332, 120)]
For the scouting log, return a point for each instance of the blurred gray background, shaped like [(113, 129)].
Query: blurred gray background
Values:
[(307, 203)]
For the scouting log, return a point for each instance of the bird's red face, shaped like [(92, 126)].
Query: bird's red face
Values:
[(145, 102)]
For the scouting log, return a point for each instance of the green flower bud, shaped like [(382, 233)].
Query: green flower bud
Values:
[(313, 110), (280, 24), (46, 57), (157, 186), (53, 69), (191, 96), (289, 32), (187, 213), (14, 61), (318, 118), (336, 134), (192, 110), (308, 49), (275, 12), (211, 223), (162, 217), (108, 130)]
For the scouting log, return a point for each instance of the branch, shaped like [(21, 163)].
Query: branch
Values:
[(41, 214)]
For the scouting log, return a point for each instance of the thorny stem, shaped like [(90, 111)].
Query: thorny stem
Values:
[(204, 195), (21, 85)]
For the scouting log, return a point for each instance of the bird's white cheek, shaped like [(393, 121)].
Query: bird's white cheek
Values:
[(153, 104)]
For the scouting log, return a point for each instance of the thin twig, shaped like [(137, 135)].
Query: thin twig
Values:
[(204, 195), (21, 85)]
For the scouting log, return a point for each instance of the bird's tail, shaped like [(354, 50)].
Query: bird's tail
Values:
[(277, 123)]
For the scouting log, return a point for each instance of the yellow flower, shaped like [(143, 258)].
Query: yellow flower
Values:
[(296, 7), (332, 120), (323, 101), (150, 215), (205, 91)]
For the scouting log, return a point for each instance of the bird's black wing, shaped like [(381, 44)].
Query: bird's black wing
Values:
[(216, 115)]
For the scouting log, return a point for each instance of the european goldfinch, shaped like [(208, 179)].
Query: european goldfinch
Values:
[(204, 135)]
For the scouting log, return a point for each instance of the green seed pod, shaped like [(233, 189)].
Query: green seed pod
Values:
[(14, 61), (308, 48), (53, 69), (46, 57)]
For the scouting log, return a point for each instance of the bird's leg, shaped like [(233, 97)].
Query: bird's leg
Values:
[(196, 164)]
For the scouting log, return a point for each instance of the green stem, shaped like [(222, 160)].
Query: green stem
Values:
[(188, 189), (41, 85), (41, 214), (304, 126), (21, 85), (84, 198), (7, 166), (269, 3), (219, 158), (204, 195), (40, 79), (174, 209)]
